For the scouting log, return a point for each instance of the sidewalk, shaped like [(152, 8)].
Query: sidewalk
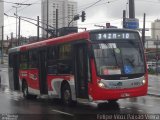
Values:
[(5, 65), (4, 80), (154, 85)]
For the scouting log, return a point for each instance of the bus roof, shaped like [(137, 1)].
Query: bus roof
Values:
[(52, 41), (63, 39)]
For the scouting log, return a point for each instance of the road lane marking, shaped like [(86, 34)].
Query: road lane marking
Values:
[(139, 104), (61, 112), (140, 110), (122, 107), (16, 99)]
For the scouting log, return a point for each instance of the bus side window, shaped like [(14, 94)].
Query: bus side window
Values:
[(65, 59), (52, 58), (24, 60), (33, 59)]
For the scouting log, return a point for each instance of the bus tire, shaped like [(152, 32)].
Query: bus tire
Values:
[(66, 95), (25, 90), (26, 94)]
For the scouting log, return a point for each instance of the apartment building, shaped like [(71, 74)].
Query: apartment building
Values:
[(66, 11)]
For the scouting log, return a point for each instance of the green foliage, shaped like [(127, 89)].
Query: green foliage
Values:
[(151, 71)]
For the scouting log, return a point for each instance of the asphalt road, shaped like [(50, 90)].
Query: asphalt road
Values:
[(13, 103)]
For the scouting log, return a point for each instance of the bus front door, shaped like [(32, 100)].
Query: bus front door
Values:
[(15, 59), (81, 71), (42, 72)]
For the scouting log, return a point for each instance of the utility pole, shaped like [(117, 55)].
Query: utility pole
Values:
[(7, 43), (56, 22), (16, 17), (7, 39), (47, 16), (2, 45), (143, 30), (19, 32), (37, 28), (11, 39), (124, 18), (157, 56), (131, 9)]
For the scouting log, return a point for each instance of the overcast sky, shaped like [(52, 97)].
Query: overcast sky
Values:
[(102, 12)]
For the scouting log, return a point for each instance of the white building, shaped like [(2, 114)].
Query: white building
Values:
[(66, 11), (151, 43), (155, 31), (1, 17)]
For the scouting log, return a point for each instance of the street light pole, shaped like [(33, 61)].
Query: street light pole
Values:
[(37, 28), (157, 56), (56, 22), (2, 45), (47, 16), (19, 32), (16, 17)]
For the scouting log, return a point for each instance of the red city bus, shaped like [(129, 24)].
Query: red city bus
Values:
[(94, 65)]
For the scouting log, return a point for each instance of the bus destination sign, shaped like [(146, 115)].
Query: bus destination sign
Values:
[(113, 36)]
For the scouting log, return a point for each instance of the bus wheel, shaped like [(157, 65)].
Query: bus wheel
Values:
[(26, 94), (66, 95), (25, 91)]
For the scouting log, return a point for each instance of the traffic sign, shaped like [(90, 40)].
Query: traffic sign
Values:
[(131, 23)]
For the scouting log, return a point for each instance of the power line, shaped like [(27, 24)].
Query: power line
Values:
[(149, 1), (83, 9), (108, 2), (28, 6), (35, 20), (17, 5), (92, 5), (99, 22), (50, 32)]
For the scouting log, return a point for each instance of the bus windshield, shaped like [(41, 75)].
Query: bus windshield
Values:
[(124, 57)]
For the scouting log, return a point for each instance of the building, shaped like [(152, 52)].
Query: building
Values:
[(66, 11), (155, 29), (151, 43), (152, 47)]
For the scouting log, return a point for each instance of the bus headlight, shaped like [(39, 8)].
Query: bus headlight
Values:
[(143, 82), (101, 85)]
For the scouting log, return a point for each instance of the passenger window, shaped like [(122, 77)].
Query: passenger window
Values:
[(33, 59)]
